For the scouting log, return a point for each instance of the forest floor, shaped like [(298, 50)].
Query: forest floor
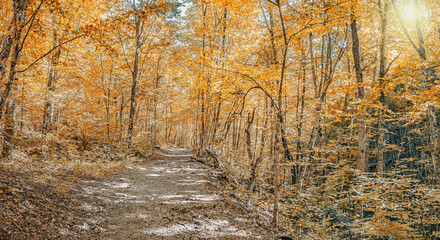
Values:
[(170, 197)]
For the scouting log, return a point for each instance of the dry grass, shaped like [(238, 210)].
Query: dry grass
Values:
[(64, 168)]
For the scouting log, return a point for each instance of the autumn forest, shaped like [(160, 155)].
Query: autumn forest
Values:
[(324, 115)]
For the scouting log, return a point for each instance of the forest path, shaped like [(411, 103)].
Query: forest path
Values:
[(172, 197)]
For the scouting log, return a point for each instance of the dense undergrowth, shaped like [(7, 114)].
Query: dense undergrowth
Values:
[(344, 204)]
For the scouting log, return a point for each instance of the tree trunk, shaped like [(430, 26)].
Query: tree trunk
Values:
[(202, 122), (276, 179), (18, 19), (8, 131), (216, 122), (139, 27), (51, 85), (383, 11), (295, 170), (133, 89), (279, 129), (250, 120), (254, 164), (280, 114), (202, 144), (121, 115), (362, 160), (433, 140), (19, 7)]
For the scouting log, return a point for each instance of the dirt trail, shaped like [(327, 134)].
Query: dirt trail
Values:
[(170, 198)]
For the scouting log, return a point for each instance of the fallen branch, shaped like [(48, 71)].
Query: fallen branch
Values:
[(217, 161), (236, 200), (218, 164), (200, 160), (236, 197)]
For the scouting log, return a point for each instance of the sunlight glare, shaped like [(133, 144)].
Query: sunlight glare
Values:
[(409, 14)]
